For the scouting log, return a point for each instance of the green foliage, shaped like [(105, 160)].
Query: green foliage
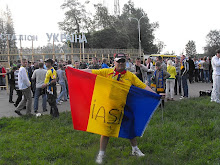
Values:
[(213, 42), (189, 134), (109, 31), (191, 49)]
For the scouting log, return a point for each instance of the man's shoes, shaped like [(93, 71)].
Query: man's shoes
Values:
[(59, 103), (45, 110), (99, 159), (137, 152), (18, 112), (15, 104), (24, 107), (11, 101), (35, 111)]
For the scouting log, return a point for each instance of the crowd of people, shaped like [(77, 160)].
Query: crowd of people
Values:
[(169, 76)]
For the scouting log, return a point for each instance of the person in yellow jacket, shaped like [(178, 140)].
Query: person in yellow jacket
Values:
[(170, 82)]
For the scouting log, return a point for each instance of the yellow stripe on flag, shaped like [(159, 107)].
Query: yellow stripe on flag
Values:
[(107, 107)]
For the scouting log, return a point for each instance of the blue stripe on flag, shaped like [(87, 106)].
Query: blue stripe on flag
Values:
[(140, 106)]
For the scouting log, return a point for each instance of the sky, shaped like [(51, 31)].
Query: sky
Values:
[(179, 20)]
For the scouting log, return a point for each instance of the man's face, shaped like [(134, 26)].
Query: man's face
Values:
[(218, 55), (77, 64), (24, 63), (182, 58), (120, 65), (138, 62)]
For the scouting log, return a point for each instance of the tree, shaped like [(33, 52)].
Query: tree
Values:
[(76, 17), (102, 19), (213, 42), (7, 27), (191, 49)]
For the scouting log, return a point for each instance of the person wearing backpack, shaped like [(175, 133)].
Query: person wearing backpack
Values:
[(184, 70)]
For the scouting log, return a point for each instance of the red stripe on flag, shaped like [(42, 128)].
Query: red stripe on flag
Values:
[(81, 86)]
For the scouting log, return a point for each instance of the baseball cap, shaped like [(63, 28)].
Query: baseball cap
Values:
[(119, 56), (49, 60)]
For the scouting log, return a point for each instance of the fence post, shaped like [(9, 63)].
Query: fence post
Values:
[(8, 52), (72, 53), (32, 50), (53, 52)]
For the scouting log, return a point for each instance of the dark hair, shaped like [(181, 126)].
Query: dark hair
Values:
[(138, 58), (61, 66), (159, 58), (69, 62), (41, 65)]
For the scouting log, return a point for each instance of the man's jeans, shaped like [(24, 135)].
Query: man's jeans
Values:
[(38, 92), (63, 92), (185, 85)]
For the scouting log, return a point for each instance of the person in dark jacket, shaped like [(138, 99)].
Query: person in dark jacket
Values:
[(191, 70), (11, 81)]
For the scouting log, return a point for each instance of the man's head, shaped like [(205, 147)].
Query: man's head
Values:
[(24, 62), (41, 65), (119, 62), (49, 63), (36, 65), (77, 64), (69, 62), (29, 63), (159, 58), (218, 53), (60, 66), (138, 61), (182, 57), (149, 60), (104, 61), (158, 65)]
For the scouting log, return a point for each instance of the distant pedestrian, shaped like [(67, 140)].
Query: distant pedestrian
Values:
[(170, 82), (39, 76), (178, 81), (150, 70), (11, 82), (25, 86), (140, 70), (2, 77), (184, 69), (19, 92), (61, 77), (191, 70), (104, 63), (206, 69), (216, 77), (50, 85)]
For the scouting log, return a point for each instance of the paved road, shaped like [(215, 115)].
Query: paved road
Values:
[(7, 109)]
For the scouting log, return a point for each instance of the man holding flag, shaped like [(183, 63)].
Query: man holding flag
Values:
[(119, 73)]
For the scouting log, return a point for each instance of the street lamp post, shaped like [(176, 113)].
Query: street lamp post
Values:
[(139, 31)]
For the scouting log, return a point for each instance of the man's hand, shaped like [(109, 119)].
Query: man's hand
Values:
[(44, 85)]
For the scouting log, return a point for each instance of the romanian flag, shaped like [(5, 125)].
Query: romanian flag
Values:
[(108, 107)]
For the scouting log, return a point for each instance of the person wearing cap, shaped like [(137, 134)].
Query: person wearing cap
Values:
[(25, 86), (119, 73), (50, 84)]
